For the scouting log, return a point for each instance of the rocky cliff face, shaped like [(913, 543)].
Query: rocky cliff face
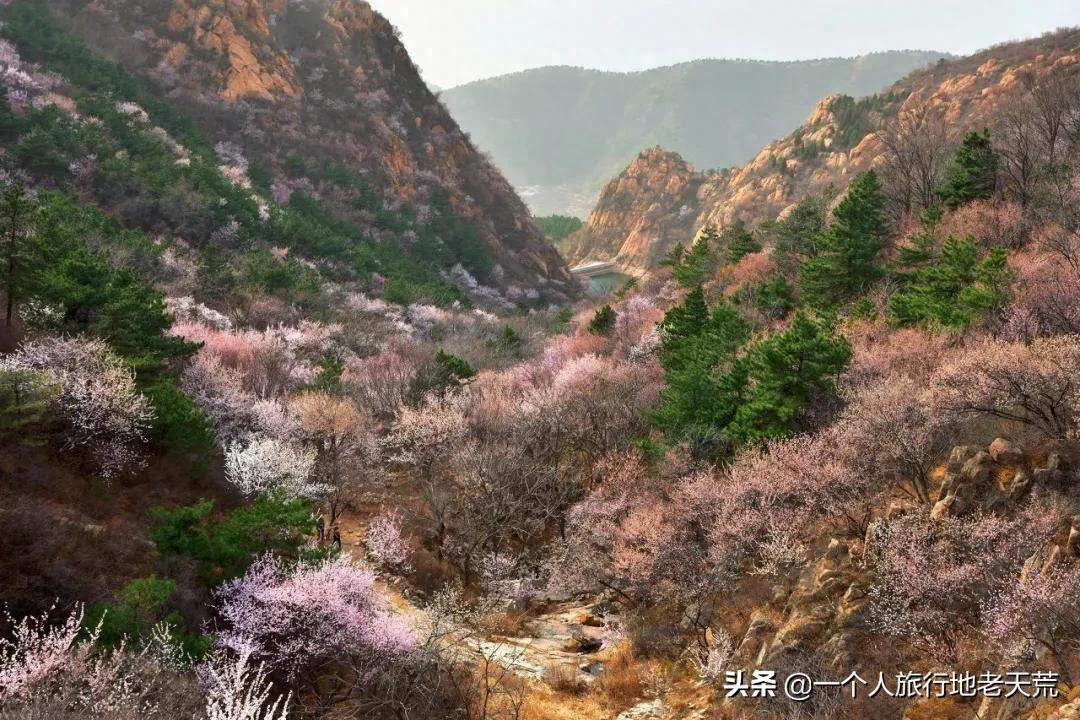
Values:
[(840, 139), (320, 81), (643, 213)]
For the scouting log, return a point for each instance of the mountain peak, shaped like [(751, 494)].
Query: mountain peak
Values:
[(838, 140), (551, 129), (645, 208)]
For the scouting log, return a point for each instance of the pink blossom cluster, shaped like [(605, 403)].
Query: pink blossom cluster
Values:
[(1032, 384), (265, 363), (295, 619), (50, 666), (24, 81), (386, 542), (1047, 292), (935, 578)]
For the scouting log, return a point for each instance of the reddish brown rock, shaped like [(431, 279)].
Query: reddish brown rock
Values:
[(967, 93), (642, 214)]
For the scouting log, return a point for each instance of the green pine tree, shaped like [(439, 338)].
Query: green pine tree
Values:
[(683, 322), (915, 254), (20, 254), (786, 370), (700, 262), (24, 401), (738, 242), (847, 261), (704, 377), (955, 288), (603, 322), (775, 298), (441, 377), (795, 237), (974, 172), (674, 257)]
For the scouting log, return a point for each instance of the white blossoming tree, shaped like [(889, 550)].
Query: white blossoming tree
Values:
[(265, 464)]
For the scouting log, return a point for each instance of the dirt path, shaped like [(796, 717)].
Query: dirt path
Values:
[(566, 634)]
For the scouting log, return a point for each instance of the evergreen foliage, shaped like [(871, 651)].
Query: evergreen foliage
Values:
[(226, 546), (25, 396), (723, 392), (698, 264), (848, 250), (508, 343), (20, 257), (786, 371), (135, 610), (974, 171), (558, 227), (951, 288), (737, 242), (603, 322), (795, 237), (447, 373)]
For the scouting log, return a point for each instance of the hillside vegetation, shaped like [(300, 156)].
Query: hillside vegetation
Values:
[(244, 475)]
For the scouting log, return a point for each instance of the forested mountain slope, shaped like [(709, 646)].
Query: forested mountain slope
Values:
[(277, 458), (321, 118)]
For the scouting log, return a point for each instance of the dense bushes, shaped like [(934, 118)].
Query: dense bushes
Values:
[(559, 227), (723, 392), (146, 161), (66, 282), (226, 546)]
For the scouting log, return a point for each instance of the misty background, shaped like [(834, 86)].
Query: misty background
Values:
[(457, 42)]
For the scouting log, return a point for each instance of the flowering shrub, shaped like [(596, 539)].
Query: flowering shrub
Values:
[(185, 309), (894, 430), (267, 465), (237, 691), (387, 544), (1040, 611), (1030, 384), (935, 577), (300, 619), (47, 670), (108, 418), (1047, 296)]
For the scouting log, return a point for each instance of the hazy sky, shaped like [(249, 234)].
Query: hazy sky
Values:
[(455, 41)]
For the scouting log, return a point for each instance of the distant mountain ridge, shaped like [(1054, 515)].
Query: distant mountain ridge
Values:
[(559, 133)]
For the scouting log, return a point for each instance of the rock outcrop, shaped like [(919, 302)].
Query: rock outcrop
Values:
[(642, 214)]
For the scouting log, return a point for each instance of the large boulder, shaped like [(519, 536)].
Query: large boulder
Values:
[(1006, 452), (1055, 471), (960, 455), (977, 469), (948, 506), (1020, 485)]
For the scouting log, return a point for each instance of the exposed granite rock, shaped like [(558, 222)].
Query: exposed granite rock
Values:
[(1006, 452), (642, 214)]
